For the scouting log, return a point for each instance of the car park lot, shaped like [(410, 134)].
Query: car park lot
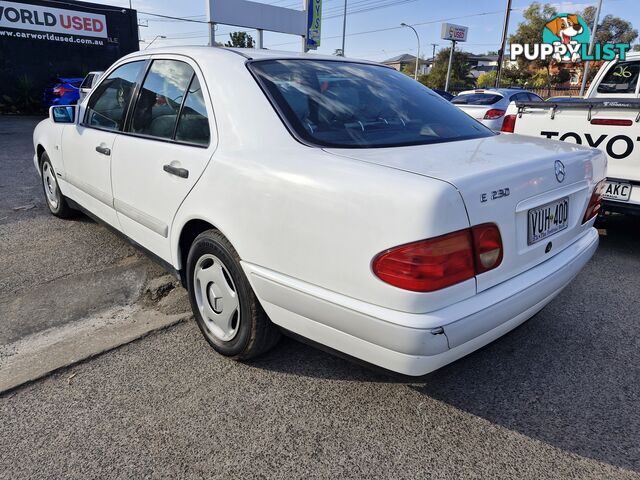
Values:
[(556, 398)]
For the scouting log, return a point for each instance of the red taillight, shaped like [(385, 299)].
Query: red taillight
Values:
[(494, 113), (619, 122), (509, 124), (428, 265), (487, 246), (440, 262), (59, 91), (595, 202)]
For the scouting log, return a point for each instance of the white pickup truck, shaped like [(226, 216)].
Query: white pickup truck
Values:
[(608, 118)]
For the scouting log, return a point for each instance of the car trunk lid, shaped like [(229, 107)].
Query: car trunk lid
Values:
[(501, 178)]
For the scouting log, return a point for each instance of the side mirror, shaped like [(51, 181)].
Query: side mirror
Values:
[(63, 114)]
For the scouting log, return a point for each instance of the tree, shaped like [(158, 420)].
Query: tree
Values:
[(636, 48), (486, 79), (459, 71), (610, 29), (410, 68), (530, 31), (240, 40), (515, 76)]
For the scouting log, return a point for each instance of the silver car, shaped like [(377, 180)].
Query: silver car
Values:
[(90, 81), (489, 105)]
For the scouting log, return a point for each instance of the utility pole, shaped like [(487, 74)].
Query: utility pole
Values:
[(593, 40), (503, 44), (415, 74), (344, 25), (453, 47), (211, 25), (433, 56)]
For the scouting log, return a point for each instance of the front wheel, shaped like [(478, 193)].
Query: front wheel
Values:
[(224, 304), (56, 202)]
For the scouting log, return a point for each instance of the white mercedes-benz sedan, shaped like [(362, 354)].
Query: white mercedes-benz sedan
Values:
[(336, 199)]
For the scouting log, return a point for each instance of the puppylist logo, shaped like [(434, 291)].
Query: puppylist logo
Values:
[(565, 38)]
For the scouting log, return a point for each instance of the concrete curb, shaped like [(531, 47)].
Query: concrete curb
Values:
[(46, 352)]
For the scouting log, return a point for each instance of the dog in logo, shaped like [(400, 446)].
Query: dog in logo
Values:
[(565, 27)]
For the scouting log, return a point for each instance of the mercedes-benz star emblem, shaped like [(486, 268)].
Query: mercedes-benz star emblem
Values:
[(559, 171)]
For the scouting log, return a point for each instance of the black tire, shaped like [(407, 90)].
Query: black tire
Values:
[(255, 334), (56, 201)]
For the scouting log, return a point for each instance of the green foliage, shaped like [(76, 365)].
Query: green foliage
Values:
[(486, 80), (409, 68), (563, 76), (636, 48), (240, 40), (536, 17), (23, 99), (460, 69), (515, 77)]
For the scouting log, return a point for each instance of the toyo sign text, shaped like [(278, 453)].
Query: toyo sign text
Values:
[(22, 16)]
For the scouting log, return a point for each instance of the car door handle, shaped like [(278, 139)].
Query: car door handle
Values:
[(103, 150), (177, 171)]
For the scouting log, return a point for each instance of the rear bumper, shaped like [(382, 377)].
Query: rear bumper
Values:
[(409, 343), (631, 207)]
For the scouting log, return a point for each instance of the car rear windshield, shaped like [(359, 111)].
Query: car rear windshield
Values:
[(352, 105), (621, 78), (477, 99)]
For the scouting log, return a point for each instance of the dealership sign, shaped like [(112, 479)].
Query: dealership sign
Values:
[(22, 16), (314, 23), (456, 33)]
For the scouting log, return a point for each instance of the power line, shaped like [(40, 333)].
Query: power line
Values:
[(366, 32)]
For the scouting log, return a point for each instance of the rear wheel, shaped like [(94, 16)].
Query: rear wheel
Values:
[(223, 302), (56, 202)]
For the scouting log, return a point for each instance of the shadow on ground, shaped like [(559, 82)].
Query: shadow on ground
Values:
[(569, 377)]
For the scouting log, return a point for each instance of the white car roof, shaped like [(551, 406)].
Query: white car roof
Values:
[(204, 52)]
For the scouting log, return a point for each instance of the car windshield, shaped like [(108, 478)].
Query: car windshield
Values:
[(352, 105), (477, 99)]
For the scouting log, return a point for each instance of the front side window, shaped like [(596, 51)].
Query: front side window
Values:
[(108, 105), (621, 78), (161, 96), (352, 105)]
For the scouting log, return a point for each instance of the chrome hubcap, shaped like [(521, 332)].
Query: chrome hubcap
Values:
[(50, 186), (216, 297)]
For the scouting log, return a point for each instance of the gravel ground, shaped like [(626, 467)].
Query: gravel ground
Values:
[(557, 398)]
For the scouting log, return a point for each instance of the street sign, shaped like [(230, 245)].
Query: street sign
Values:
[(314, 23), (455, 33)]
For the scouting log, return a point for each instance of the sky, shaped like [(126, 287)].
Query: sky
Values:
[(373, 34)]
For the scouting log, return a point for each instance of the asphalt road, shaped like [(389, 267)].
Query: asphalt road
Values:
[(53, 271), (559, 397)]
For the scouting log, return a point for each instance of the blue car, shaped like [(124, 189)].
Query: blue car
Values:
[(65, 92)]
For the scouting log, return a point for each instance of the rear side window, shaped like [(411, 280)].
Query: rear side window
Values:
[(353, 105), (519, 97), (621, 78), (108, 104), (193, 126), (161, 96), (476, 99)]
